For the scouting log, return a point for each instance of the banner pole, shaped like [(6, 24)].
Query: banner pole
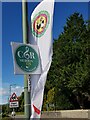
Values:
[(27, 109)]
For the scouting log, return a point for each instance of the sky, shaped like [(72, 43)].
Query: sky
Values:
[(12, 32)]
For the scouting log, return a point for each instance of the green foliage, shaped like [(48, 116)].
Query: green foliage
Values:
[(69, 74), (7, 118), (4, 115), (50, 99), (50, 95), (21, 103), (5, 110)]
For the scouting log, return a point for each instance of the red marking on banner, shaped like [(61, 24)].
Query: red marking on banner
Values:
[(36, 110)]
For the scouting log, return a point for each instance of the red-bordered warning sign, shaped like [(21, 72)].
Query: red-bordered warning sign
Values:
[(14, 101), (13, 98)]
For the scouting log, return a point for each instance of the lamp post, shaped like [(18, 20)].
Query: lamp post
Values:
[(25, 41), (10, 92), (11, 86)]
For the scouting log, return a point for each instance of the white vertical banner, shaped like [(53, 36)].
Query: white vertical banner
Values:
[(41, 35)]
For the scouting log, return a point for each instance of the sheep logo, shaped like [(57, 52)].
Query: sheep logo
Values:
[(40, 23)]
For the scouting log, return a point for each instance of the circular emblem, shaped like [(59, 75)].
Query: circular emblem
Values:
[(26, 58), (40, 23)]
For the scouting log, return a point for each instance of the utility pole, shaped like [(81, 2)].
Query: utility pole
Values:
[(10, 94), (25, 40)]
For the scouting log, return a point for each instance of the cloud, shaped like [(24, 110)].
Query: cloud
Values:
[(18, 90), (5, 93)]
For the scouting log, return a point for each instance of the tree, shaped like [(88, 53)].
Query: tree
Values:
[(69, 73), (21, 103)]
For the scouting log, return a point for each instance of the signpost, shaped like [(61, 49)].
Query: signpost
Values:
[(14, 101), (27, 106)]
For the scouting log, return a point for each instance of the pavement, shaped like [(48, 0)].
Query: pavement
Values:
[(51, 119), (16, 117), (21, 117)]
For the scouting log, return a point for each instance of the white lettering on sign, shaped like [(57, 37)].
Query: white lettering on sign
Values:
[(27, 55)]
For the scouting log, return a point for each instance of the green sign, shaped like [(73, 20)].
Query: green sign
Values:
[(26, 58)]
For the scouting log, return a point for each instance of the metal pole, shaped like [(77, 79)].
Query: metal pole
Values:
[(25, 40), (10, 94)]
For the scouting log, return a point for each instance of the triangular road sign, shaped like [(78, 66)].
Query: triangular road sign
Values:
[(13, 98)]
